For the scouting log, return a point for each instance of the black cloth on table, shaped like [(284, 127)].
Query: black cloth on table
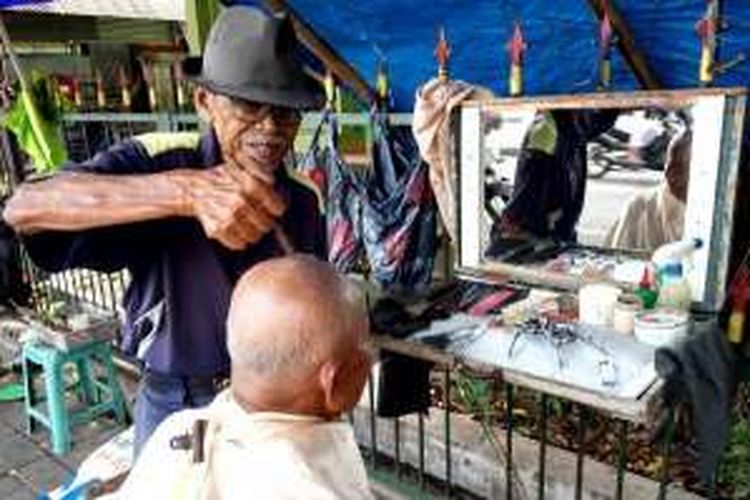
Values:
[(403, 381)]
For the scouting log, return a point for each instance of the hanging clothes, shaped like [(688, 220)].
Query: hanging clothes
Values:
[(387, 215), (433, 105), (341, 189), (398, 212)]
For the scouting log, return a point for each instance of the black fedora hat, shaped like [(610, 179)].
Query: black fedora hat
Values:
[(252, 56)]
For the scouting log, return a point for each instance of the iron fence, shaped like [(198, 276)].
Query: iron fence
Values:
[(500, 430)]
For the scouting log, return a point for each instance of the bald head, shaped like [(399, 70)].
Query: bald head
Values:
[(290, 314)]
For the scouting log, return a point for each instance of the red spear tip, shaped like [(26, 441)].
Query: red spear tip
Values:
[(442, 49), (605, 31), (517, 45), (705, 28)]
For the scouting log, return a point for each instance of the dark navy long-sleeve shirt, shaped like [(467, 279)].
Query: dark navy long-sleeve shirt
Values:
[(177, 302)]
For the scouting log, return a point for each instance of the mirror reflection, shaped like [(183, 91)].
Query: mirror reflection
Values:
[(612, 178)]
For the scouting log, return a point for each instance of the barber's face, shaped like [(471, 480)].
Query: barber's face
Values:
[(253, 135)]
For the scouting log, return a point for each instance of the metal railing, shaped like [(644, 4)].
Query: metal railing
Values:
[(500, 428)]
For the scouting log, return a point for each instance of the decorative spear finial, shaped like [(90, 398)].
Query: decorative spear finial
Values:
[(77, 95), (101, 95), (382, 84), (180, 96), (707, 27), (516, 48), (149, 80), (605, 50), (329, 84), (442, 54), (124, 82)]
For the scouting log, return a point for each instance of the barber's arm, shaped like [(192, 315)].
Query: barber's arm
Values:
[(233, 207), (72, 201)]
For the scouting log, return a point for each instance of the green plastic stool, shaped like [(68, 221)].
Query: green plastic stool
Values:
[(99, 396)]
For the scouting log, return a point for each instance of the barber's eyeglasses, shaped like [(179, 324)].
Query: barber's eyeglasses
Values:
[(254, 112)]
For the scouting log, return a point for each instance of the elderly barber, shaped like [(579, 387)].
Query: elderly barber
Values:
[(277, 431), (187, 214)]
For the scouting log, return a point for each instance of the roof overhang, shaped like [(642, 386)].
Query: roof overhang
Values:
[(165, 10)]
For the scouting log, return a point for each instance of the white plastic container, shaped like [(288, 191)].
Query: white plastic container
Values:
[(661, 327), (626, 309), (596, 304)]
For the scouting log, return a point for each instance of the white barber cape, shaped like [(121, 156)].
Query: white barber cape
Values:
[(248, 456), (650, 219)]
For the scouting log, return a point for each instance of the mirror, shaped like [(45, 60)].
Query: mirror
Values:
[(564, 190)]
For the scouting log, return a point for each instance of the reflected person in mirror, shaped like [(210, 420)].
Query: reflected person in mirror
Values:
[(550, 182), (657, 215)]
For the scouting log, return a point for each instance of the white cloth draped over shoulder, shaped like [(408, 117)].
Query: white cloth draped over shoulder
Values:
[(250, 455), (431, 127), (649, 220)]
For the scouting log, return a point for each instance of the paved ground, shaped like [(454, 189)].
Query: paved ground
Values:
[(27, 466)]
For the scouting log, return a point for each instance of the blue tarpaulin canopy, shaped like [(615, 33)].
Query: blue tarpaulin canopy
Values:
[(561, 37), (13, 3)]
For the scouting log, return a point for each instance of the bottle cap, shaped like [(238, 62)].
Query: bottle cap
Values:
[(646, 281)]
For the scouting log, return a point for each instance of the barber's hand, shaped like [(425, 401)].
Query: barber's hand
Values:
[(234, 207)]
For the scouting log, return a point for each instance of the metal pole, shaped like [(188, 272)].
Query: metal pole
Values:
[(509, 441), (544, 410), (447, 402), (579, 451), (667, 454), (622, 449), (420, 424), (373, 423)]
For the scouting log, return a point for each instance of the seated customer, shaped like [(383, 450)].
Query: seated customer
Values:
[(657, 216), (296, 337)]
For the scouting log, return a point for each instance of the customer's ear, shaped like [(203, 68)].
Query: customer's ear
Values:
[(342, 382), (202, 102), (331, 380)]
